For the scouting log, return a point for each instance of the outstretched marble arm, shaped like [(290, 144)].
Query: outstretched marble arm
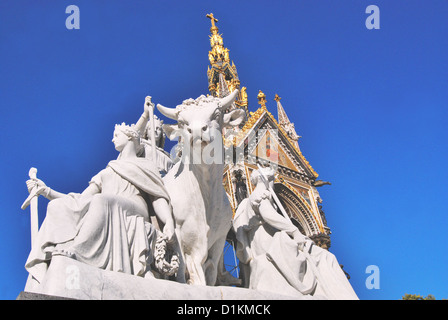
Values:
[(50, 194), (144, 118), (42, 189)]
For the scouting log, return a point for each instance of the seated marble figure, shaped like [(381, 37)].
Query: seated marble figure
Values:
[(108, 225), (275, 256)]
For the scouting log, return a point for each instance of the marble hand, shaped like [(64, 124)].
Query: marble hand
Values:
[(168, 231), (148, 104), (41, 186)]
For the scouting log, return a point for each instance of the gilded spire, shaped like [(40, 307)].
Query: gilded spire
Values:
[(286, 124), (219, 53), (222, 74), (282, 117)]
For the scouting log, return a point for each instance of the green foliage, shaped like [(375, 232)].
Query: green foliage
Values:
[(417, 297)]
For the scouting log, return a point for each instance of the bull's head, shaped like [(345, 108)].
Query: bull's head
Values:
[(200, 121)]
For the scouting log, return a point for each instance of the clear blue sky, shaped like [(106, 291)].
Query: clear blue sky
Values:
[(371, 106)]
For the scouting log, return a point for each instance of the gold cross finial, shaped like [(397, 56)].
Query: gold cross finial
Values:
[(212, 18), (277, 98)]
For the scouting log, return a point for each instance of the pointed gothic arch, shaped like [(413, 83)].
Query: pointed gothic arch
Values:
[(297, 210)]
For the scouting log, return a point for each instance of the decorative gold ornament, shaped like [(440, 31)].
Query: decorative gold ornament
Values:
[(261, 99)]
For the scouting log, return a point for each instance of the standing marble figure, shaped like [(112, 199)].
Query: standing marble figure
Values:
[(163, 160)]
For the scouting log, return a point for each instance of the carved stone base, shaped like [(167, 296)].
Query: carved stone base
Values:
[(25, 295), (70, 279)]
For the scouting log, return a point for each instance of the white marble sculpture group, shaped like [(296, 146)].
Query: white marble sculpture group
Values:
[(154, 216)]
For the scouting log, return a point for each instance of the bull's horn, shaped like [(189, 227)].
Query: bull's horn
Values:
[(168, 112), (227, 101)]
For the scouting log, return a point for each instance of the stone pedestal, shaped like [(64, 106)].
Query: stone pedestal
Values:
[(24, 295), (69, 279)]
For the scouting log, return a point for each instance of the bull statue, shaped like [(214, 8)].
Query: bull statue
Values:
[(201, 209)]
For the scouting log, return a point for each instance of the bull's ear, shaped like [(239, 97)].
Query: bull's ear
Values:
[(234, 118), (171, 130)]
